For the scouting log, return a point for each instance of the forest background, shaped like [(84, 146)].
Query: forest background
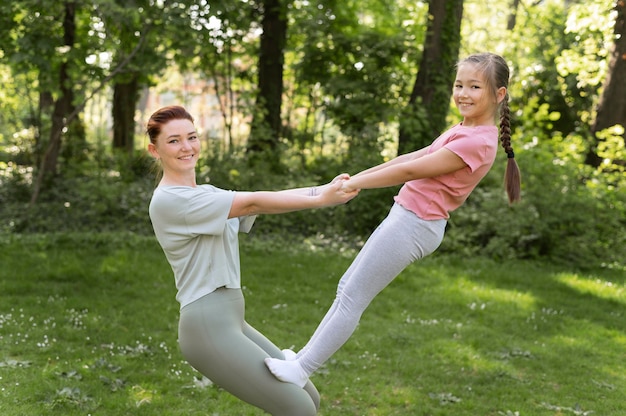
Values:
[(291, 93)]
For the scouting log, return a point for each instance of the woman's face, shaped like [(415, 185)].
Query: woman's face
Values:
[(178, 146)]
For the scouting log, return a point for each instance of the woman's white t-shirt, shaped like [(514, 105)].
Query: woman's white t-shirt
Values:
[(199, 241)]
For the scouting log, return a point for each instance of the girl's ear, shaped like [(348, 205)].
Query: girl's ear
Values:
[(500, 94)]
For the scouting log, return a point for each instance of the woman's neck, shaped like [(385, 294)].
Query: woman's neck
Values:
[(178, 180)]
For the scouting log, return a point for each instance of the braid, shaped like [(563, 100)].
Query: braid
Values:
[(512, 180), (505, 127)]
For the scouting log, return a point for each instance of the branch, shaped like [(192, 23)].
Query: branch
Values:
[(56, 136)]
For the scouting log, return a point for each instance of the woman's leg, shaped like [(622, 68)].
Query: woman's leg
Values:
[(400, 239), (273, 351), (217, 342)]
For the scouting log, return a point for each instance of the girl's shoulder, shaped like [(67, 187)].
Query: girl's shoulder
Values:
[(460, 128), (460, 131)]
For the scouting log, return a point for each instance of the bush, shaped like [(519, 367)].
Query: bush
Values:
[(569, 213)]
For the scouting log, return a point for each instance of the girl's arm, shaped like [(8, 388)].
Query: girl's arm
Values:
[(268, 202), (407, 169), (399, 159)]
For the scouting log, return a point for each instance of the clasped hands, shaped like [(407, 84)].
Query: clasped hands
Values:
[(346, 186)]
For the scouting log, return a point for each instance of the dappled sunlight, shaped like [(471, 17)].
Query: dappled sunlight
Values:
[(598, 287), (472, 360), (484, 295)]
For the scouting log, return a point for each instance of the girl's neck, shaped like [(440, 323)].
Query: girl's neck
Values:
[(474, 124)]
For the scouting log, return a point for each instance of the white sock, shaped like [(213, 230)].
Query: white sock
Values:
[(287, 371), (290, 355)]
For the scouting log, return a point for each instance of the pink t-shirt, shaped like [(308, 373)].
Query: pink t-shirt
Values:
[(434, 198)]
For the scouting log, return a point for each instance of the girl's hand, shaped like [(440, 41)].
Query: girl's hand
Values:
[(346, 186), (333, 193), (317, 190), (341, 176)]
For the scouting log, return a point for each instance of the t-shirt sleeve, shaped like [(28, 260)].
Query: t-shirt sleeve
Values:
[(472, 149), (245, 223), (207, 212)]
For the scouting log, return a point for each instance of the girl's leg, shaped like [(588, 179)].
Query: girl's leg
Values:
[(273, 351), (217, 342), (400, 239)]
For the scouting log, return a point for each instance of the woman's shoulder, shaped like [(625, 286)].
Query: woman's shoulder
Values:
[(186, 191), (175, 198)]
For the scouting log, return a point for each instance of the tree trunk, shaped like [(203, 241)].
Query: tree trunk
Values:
[(612, 104), (512, 20), (46, 105), (429, 103), (125, 97), (266, 126), (63, 105)]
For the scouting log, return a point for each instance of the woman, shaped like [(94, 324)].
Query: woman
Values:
[(437, 179), (197, 227)]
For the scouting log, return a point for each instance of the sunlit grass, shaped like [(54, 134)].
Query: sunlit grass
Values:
[(598, 287), (88, 326)]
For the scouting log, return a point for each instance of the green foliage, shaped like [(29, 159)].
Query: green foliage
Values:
[(355, 64), (560, 61), (569, 214), (101, 201), (357, 218), (349, 69)]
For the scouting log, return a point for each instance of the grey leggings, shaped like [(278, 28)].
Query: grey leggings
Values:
[(398, 241), (216, 340)]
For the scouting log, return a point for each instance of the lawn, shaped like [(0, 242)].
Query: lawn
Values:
[(88, 327)]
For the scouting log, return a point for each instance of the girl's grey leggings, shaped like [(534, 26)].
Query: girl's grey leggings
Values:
[(398, 241), (217, 341)]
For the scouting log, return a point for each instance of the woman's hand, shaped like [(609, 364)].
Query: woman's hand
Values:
[(318, 190)]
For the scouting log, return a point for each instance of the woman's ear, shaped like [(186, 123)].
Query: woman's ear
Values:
[(153, 150)]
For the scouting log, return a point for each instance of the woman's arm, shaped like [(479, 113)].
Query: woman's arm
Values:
[(315, 190), (407, 169), (267, 202)]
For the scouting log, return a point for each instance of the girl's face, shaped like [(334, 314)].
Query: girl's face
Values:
[(178, 147), (474, 97)]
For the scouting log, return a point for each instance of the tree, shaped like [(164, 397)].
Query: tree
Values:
[(124, 104), (611, 108), (512, 20), (429, 103), (63, 106), (67, 108), (122, 23), (266, 125)]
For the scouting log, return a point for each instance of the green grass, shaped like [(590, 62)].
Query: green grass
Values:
[(88, 327)]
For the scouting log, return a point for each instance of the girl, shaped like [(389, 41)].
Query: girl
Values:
[(197, 227), (437, 179)]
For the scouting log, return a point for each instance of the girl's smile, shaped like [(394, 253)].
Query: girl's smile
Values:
[(474, 97)]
